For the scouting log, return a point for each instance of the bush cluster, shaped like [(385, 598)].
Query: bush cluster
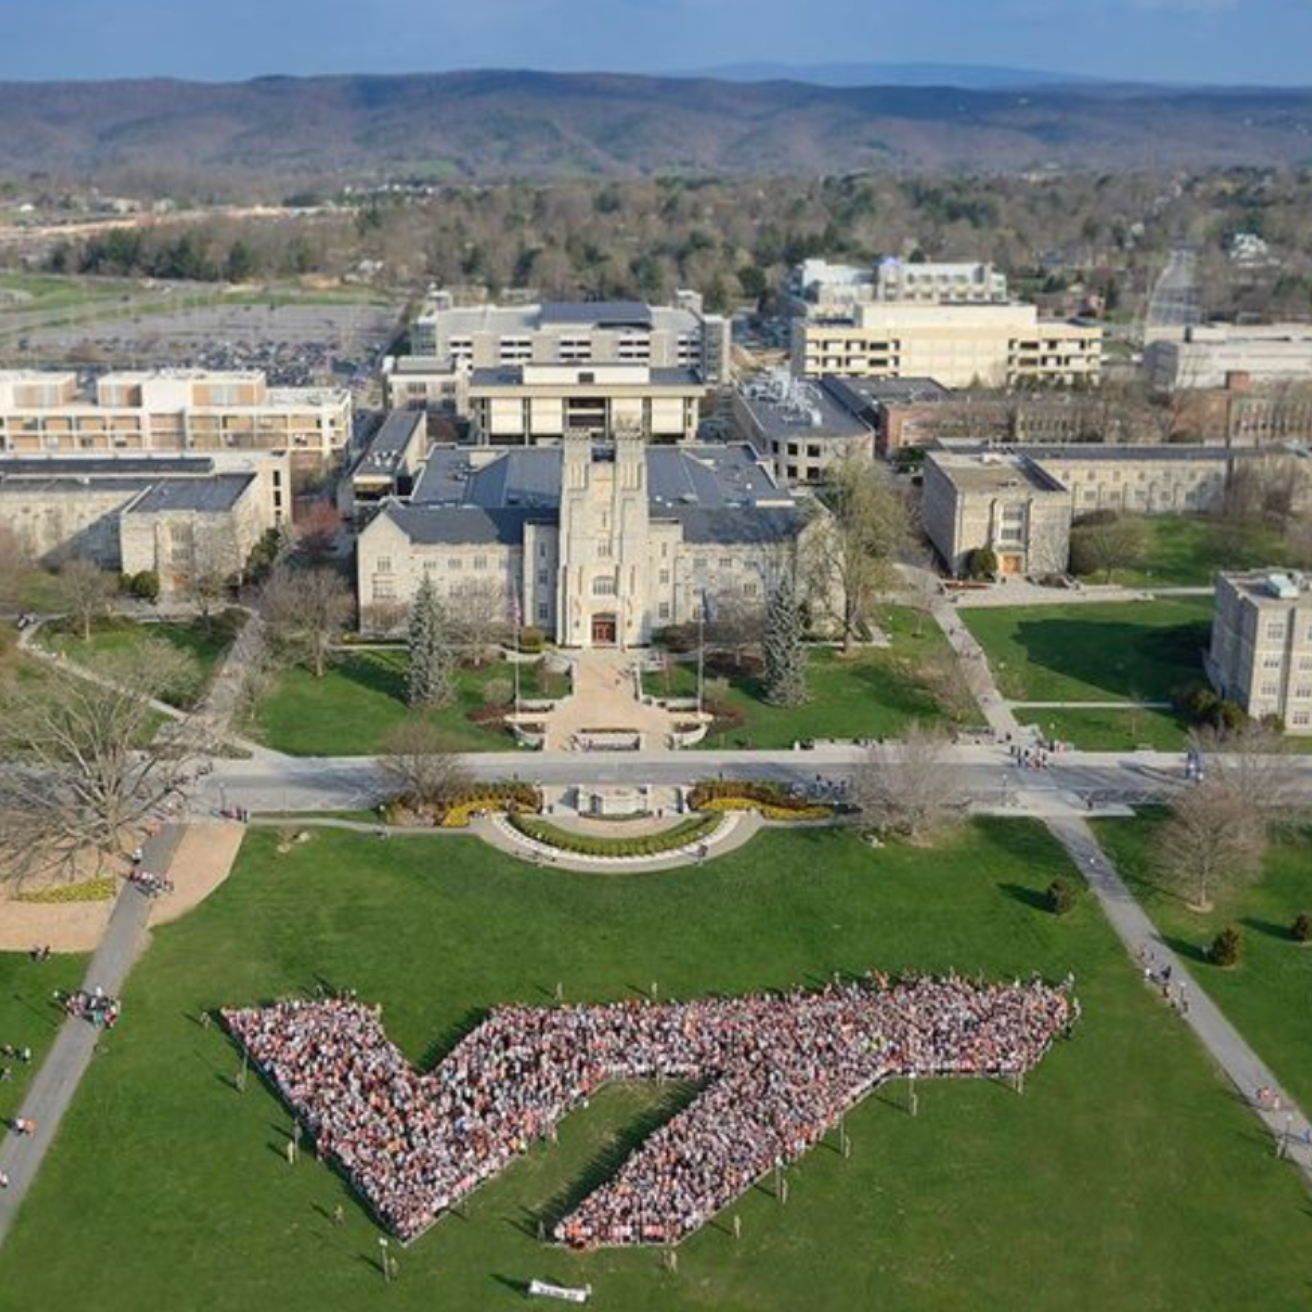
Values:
[(1227, 947), (1302, 928), (510, 797), (531, 640), (772, 800), (1062, 896), (688, 831), (1200, 704)]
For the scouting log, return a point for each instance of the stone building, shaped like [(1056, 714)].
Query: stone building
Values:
[(599, 544), (1261, 649), (1005, 497), (169, 514)]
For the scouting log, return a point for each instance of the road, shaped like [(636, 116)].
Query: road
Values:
[(354, 783), (1175, 302)]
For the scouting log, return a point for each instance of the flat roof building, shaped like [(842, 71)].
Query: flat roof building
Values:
[(1208, 355), (1260, 654), (800, 426), (958, 345), (681, 336), (171, 410)]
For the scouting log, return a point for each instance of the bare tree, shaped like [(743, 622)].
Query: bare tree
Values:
[(852, 553), (910, 788), (84, 765), (419, 767), (735, 626), (1253, 762), (85, 592), (1209, 844), (16, 568), (1106, 543), (944, 676), (480, 617), (306, 611)]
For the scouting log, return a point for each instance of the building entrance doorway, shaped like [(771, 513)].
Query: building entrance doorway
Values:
[(604, 630)]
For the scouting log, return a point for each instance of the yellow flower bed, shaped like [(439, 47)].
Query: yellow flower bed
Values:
[(458, 817), (769, 812), (90, 890)]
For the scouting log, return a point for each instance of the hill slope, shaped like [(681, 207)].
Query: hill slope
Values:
[(494, 124)]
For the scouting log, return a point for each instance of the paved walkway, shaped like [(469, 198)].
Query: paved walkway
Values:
[(1240, 1063), (56, 1082), (1090, 706), (605, 696), (979, 678), (1018, 592)]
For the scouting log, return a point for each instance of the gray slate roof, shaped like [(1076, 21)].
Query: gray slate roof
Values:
[(209, 496)]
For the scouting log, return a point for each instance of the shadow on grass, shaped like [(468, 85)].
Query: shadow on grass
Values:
[(441, 1046), (1269, 928), (1186, 950), (378, 672), (1029, 897), (605, 1164)]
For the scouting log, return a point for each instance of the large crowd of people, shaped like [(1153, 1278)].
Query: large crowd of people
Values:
[(778, 1071)]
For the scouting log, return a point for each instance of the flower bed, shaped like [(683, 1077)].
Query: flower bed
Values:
[(693, 830), (771, 800), (89, 890), (510, 797)]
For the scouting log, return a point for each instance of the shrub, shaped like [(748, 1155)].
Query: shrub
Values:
[(1226, 947), (1062, 897), (677, 638), (772, 800), (982, 563), (89, 890), (1095, 519), (1302, 928), (510, 797), (692, 830), (144, 586), (531, 640), (498, 692)]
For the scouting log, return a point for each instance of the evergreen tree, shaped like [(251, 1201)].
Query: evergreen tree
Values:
[(430, 677), (785, 654)]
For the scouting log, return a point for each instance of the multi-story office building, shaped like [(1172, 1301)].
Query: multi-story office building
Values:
[(800, 426), (544, 403), (816, 285), (1261, 650), (598, 544), (958, 345), (170, 411), (1207, 355), (681, 336)]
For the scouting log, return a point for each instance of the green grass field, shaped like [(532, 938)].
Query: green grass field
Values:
[(28, 1016), (362, 698), (1094, 651), (1268, 996), (207, 645), (1187, 551), (872, 694), (1126, 1176), (1103, 730)]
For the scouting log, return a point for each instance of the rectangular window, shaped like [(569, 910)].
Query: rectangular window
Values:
[(384, 589), (1301, 719), (384, 564), (749, 589), (726, 562), (543, 578), (480, 562), (1275, 630), (603, 586), (542, 610), (665, 577), (1269, 690), (454, 563), (699, 564), (1272, 661), (605, 549), (664, 610)]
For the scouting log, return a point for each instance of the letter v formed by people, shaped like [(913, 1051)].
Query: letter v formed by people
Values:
[(772, 1074)]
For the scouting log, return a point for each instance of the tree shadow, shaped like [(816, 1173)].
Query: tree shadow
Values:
[(1282, 933), (1029, 897), (1186, 950), (377, 672)]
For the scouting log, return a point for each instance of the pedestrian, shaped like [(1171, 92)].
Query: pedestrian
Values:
[(4, 1180), (339, 1216)]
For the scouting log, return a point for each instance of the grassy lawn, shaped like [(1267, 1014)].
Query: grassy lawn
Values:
[(1268, 996), (1187, 550), (1101, 730), (872, 694), (362, 697), (28, 1017), (206, 645), (1112, 651), (1126, 1176)]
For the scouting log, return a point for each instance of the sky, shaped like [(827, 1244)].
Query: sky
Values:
[(1215, 41)]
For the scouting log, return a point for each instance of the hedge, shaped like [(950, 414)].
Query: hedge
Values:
[(688, 831), (771, 799)]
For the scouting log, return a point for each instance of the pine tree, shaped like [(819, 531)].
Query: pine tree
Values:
[(429, 679), (785, 654)]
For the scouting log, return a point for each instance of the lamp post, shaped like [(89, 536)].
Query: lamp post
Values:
[(701, 651), (386, 1259)]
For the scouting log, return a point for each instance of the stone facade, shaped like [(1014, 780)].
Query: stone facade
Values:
[(1261, 649), (600, 545)]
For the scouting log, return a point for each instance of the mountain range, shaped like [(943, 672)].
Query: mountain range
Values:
[(497, 124)]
